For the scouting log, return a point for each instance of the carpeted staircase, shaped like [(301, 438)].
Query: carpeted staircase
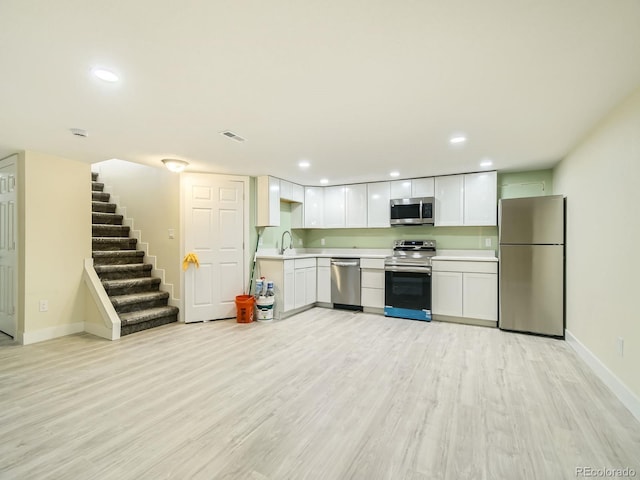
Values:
[(134, 293)]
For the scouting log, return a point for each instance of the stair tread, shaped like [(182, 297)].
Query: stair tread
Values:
[(148, 314), (130, 298), (123, 267), (124, 282)]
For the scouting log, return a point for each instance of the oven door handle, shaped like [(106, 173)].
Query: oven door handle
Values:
[(403, 269)]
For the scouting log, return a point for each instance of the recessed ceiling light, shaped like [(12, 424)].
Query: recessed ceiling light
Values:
[(394, 174), (106, 75), (324, 181), (486, 163), (458, 139), (304, 164)]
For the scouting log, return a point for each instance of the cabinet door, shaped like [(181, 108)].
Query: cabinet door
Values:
[(289, 290), (480, 296), (297, 193), (313, 207), (300, 290), (378, 196), (372, 297), (449, 196), (401, 189), (423, 187), (334, 207), (286, 190), (446, 288), (268, 193), (310, 285), (480, 198), (356, 206), (324, 284)]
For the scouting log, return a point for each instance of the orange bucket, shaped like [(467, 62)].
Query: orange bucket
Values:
[(245, 307)]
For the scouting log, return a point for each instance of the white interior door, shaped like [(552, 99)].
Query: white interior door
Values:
[(8, 232), (213, 209)]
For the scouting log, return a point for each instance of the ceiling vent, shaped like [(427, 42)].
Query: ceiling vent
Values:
[(232, 136), (79, 132)]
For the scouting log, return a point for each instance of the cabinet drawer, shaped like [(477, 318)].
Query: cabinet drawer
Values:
[(289, 265), (372, 297), (304, 262), (372, 263), (372, 278), (458, 266), (324, 262)]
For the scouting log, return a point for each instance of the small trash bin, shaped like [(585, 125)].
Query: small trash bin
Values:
[(245, 305)]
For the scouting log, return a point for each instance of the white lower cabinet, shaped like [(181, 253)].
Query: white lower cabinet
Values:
[(294, 282), (305, 282), (465, 289), (323, 287), (372, 282), (446, 293)]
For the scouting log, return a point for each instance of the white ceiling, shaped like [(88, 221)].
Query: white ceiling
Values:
[(357, 87)]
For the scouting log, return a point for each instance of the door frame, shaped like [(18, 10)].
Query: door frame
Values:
[(15, 158), (246, 211)]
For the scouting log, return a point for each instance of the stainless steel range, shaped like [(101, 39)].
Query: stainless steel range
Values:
[(407, 291)]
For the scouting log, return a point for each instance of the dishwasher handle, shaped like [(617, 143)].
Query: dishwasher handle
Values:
[(345, 263)]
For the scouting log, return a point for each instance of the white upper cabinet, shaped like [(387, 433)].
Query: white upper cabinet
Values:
[(378, 196), (401, 188), (423, 187), (314, 207), (334, 207), (480, 198), (356, 205), (449, 199), (268, 212), (291, 192)]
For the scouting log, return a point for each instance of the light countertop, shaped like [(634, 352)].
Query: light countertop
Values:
[(444, 255)]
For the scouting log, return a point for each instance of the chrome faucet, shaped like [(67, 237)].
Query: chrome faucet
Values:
[(282, 247)]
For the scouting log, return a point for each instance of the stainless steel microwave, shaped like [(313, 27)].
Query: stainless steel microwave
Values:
[(412, 211)]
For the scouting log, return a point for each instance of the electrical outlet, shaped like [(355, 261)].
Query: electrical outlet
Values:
[(322, 241), (487, 242), (620, 346), (172, 233), (300, 242), (44, 305)]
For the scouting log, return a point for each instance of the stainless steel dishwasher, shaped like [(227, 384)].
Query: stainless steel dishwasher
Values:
[(345, 283)]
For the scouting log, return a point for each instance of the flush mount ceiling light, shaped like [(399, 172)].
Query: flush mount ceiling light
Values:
[(458, 139), (304, 164), (324, 181), (394, 174), (79, 132), (175, 165), (106, 75)]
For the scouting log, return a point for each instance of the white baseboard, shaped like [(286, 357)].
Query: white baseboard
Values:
[(51, 333), (620, 390)]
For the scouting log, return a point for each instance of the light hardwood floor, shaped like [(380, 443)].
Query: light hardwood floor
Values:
[(322, 395)]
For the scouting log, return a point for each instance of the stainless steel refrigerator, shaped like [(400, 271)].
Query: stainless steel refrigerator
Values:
[(532, 263)]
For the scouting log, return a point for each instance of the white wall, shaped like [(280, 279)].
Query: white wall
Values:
[(601, 179), (151, 197), (55, 237)]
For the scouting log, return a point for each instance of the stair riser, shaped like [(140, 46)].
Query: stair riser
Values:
[(100, 196), (156, 322), (110, 231), (94, 176), (115, 244), (106, 219), (111, 291), (103, 207), (136, 307), (97, 186)]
